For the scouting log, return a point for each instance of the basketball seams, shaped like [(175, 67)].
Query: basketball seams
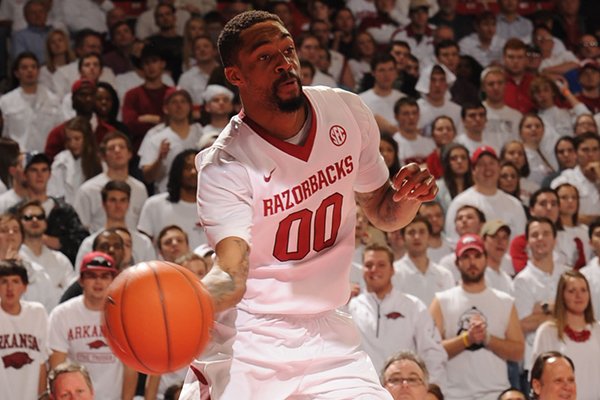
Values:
[(164, 314)]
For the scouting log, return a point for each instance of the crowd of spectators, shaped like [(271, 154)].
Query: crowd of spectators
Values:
[(105, 104)]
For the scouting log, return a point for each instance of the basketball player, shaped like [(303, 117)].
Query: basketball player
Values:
[(283, 178)]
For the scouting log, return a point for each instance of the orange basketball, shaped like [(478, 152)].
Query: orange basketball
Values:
[(157, 317)]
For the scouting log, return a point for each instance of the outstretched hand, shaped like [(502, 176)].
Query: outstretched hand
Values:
[(414, 183)]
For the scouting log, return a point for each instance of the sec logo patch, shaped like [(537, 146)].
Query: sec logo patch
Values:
[(338, 135)]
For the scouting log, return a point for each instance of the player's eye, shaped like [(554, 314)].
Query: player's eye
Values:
[(264, 57)]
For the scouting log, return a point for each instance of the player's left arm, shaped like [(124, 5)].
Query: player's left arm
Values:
[(510, 348), (394, 204), (130, 378)]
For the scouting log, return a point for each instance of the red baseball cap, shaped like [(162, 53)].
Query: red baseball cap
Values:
[(468, 242), (98, 261), (78, 84), (482, 150)]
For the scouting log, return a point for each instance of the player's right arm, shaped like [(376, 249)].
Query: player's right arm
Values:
[(226, 281)]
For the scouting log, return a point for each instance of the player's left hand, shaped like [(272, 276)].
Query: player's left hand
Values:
[(414, 183)]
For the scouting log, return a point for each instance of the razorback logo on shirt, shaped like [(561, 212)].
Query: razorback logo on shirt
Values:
[(322, 178), (394, 315), (96, 344), (16, 360)]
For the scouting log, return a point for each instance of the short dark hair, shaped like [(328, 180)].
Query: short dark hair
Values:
[(168, 228), (514, 44), (229, 42), (14, 267), (444, 44), (404, 101), (534, 197), (510, 389), (379, 247), (479, 213), (540, 363), (540, 220), (102, 233), (22, 56), (30, 203), (84, 34), (418, 219), (381, 58), (471, 106), (115, 186), (586, 136), (114, 135), (595, 224), (89, 55)]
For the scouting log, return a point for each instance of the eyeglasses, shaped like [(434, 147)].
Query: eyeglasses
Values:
[(412, 381), (31, 217)]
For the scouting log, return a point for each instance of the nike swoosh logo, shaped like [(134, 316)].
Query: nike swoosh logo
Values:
[(268, 177)]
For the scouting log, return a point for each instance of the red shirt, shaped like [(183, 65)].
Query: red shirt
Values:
[(55, 143), (516, 95)]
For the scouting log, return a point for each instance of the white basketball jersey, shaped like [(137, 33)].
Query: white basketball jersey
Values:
[(300, 199)]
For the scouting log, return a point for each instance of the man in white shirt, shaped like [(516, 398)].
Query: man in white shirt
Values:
[(382, 97), (30, 111), (535, 286), (510, 24), (176, 206), (86, 14), (495, 235), (475, 134), (195, 79), (415, 273), (592, 269), (418, 33), (116, 152), (16, 174), (308, 49), (585, 176), (412, 146), (438, 246), (479, 327), (485, 195), (484, 45), (146, 24), (501, 119), (390, 320)]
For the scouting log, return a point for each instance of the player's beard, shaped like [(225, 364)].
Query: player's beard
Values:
[(289, 105)]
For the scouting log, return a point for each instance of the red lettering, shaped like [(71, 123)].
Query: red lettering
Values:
[(267, 207)]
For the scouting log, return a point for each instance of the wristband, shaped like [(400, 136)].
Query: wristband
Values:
[(465, 339)]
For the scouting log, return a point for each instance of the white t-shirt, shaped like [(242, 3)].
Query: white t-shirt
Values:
[(471, 46), (273, 194), (40, 287), (88, 202), (66, 177), (75, 330), (503, 121), (159, 212), (428, 112), (8, 199), (150, 146), (23, 349), (585, 356), (56, 264), (499, 280), (399, 322), (487, 376), (409, 279), (194, 80), (415, 150), (592, 273), (382, 105)]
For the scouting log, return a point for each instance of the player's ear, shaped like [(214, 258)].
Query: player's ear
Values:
[(233, 75)]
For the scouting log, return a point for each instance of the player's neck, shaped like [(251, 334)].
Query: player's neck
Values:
[(278, 124)]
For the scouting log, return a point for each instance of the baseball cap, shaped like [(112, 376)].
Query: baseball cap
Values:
[(215, 90), (98, 261), (416, 4), (481, 151), (35, 157), (81, 83), (468, 242), (589, 63), (493, 226)]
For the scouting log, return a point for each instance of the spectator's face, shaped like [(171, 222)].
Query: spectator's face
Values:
[(486, 29), (34, 221), (165, 18), (385, 74), (437, 86), (447, 6), (387, 152), (412, 68), (91, 68), (486, 170), (419, 17), (405, 380), (12, 288), (408, 117), (595, 241), (220, 104), (557, 381), (72, 385), (173, 245), (344, 21), (532, 131), (95, 284), (508, 179), (377, 270), (467, 221), (471, 265), (475, 120), (111, 244), (84, 100), (153, 68), (37, 176), (198, 267), (366, 45), (36, 15), (443, 132), (117, 155), (116, 205), (449, 57), (321, 31), (91, 44), (196, 28), (540, 240), (515, 61), (589, 78), (508, 6), (543, 39), (416, 238), (104, 102), (435, 216), (496, 245), (123, 36), (127, 248), (178, 108), (513, 395), (459, 161), (306, 76), (58, 44), (588, 47), (309, 50), (543, 97), (204, 51), (546, 205), (10, 236), (27, 73), (400, 54), (515, 154), (587, 152), (568, 200), (585, 123), (576, 296)]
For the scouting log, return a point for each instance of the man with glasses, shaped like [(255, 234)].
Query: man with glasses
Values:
[(479, 327), (70, 380), (74, 331), (405, 376), (56, 264), (553, 377)]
